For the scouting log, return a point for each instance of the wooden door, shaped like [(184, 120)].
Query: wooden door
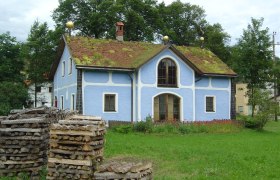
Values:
[(166, 108)]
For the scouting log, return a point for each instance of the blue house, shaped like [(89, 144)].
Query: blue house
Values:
[(128, 81)]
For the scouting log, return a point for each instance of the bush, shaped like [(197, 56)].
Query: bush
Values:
[(257, 122), (144, 126)]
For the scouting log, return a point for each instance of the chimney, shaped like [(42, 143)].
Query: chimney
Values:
[(119, 31)]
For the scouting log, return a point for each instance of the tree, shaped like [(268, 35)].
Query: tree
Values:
[(11, 63), (39, 52), (97, 18), (217, 41), (13, 94), (253, 58), (182, 22)]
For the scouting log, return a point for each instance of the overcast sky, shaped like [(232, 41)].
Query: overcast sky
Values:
[(17, 16)]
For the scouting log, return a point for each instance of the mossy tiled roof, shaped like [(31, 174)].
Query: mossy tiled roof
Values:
[(205, 60), (111, 53), (90, 52)]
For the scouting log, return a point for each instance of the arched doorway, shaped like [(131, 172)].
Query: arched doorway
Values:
[(166, 108)]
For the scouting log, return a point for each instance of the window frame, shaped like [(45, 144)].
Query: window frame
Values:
[(214, 104), (104, 102), (168, 75), (72, 107), (70, 66), (63, 69), (61, 104)]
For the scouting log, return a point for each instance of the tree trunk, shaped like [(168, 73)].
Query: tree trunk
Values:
[(252, 102)]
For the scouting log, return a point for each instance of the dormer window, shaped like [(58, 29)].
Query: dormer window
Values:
[(167, 73)]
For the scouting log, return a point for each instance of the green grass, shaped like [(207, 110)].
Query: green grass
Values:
[(246, 154)]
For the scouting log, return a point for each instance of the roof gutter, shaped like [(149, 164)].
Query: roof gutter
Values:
[(105, 68), (219, 75)]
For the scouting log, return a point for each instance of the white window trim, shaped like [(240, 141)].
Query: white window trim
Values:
[(73, 96), (61, 104), (70, 66), (63, 69), (116, 102), (214, 103), (177, 73)]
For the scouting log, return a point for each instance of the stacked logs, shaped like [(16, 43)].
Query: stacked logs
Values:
[(76, 146), (124, 170), (23, 144)]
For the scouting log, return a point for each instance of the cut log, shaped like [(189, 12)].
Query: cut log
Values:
[(69, 161), (23, 121), (21, 130), (92, 118), (70, 132)]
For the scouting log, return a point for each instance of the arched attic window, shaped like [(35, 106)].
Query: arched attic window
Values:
[(167, 73)]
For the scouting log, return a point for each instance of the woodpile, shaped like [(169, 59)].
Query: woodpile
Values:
[(118, 170), (76, 146), (24, 140)]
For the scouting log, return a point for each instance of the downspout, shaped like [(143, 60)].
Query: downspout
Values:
[(131, 89)]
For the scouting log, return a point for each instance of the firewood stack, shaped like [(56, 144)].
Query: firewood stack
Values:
[(76, 146), (119, 170), (24, 139)]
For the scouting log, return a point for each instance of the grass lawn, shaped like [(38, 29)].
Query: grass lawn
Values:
[(242, 155)]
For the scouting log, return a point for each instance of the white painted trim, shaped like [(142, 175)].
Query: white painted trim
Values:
[(214, 103), (110, 81), (194, 99), (208, 88), (139, 95), (107, 84), (83, 91), (229, 107), (66, 87), (134, 97), (155, 86), (116, 102), (169, 92), (177, 73)]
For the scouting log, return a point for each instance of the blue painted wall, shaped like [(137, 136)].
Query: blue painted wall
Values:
[(65, 85), (147, 87), (98, 83), (220, 89)]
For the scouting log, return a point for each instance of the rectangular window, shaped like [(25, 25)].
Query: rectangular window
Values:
[(63, 69), (110, 103), (61, 102), (50, 89), (72, 102), (70, 66), (240, 109), (210, 104)]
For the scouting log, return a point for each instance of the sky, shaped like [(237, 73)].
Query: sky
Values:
[(17, 16)]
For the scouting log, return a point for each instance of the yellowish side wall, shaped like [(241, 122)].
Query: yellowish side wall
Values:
[(241, 99)]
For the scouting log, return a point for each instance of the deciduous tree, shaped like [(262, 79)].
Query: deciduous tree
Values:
[(39, 52), (13, 94), (253, 58)]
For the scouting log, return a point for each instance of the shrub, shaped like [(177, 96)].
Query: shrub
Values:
[(144, 126)]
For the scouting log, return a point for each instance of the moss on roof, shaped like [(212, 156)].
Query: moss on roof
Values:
[(205, 60), (115, 54), (110, 53)]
